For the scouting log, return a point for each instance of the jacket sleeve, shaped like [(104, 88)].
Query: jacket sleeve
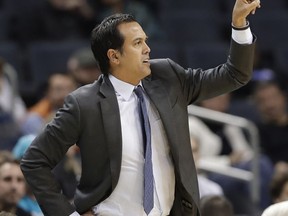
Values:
[(44, 154), (198, 84)]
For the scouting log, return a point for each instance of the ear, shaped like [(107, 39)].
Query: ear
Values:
[(113, 56)]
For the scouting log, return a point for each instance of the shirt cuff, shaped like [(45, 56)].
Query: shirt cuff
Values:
[(75, 214), (242, 36)]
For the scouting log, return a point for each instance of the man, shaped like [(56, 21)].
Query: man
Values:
[(216, 205), (12, 187), (279, 187), (12, 108), (103, 119), (59, 86), (83, 67), (271, 102)]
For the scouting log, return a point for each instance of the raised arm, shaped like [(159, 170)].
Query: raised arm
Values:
[(241, 10)]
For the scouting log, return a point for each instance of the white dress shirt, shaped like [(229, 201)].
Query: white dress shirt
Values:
[(126, 199)]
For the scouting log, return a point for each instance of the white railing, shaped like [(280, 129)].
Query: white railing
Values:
[(247, 125)]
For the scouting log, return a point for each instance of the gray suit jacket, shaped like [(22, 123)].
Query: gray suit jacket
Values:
[(90, 117)]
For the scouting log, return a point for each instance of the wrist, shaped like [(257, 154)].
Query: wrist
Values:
[(239, 23)]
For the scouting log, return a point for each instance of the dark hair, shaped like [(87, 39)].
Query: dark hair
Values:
[(264, 84), (277, 185), (5, 156), (106, 36), (216, 205)]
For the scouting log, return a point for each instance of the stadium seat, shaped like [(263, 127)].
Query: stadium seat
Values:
[(271, 28), (164, 50), (206, 55), (48, 57), (266, 5), (3, 26), (12, 54), (281, 59), (186, 27)]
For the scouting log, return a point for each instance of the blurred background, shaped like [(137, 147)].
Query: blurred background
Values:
[(45, 54)]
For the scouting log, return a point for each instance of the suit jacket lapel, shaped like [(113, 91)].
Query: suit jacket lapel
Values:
[(160, 99), (112, 128), (112, 123)]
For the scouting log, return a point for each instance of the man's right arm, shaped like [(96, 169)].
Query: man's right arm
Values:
[(44, 154)]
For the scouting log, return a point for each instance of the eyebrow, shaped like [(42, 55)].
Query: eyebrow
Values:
[(141, 38)]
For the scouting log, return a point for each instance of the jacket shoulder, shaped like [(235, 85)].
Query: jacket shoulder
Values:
[(87, 90)]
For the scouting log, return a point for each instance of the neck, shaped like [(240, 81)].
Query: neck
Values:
[(123, 77)]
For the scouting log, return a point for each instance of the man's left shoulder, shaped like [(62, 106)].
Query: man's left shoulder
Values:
[(160, 64), (165, 65)]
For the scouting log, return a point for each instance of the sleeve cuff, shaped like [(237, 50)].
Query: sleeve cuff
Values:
[(242, 35), (242, 28)]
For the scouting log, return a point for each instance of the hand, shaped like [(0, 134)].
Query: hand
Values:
[(82, 6), (89, 213), (242, 9), (235, 157), (73, 4)]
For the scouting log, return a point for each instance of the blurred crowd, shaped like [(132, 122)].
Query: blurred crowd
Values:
[(45, 55)]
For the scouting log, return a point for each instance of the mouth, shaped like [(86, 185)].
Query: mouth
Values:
[(146, 61)]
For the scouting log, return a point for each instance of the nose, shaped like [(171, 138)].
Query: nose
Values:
[(14, 185), (146, 48)]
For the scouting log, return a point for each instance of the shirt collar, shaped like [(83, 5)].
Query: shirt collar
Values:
[(122, 88)]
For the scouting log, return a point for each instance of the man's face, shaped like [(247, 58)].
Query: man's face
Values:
[(219, 103), (60, 87), (133, 62), (12, 185), (284, 194), (271, 103), (86, 75)]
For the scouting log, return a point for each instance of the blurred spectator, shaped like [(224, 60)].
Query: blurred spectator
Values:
[(83, 67), (12, 108), (271, 102), (4, 213), (68, 172), (237, 152), (5, 156), (10, 100), (52, 20), (12, 187), (215, 206), (59, 86), (28, 202), (278, 209), (261, 72), (235, 147), (140, 12), (279, 187), (22, 145), (206, 186), (209, 142)]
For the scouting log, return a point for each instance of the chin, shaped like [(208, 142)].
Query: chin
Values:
[(148, 72)]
